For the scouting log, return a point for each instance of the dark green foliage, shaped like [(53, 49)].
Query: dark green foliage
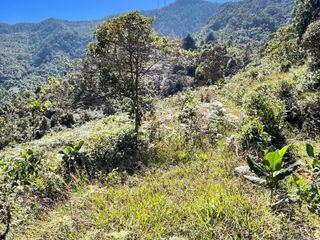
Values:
[(311, 42), (288, 93), (15, 176), (305, 12), (215, 63), (210, 38), (284, 50), (269, 112), (248, 22), (188, 43), (310, 113), (308, 191), (33, 114), (123, 152), (21, 171), (189, 119), (253, 135)]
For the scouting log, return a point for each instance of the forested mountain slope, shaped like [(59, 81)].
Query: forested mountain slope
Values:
[(248, 22), (29, 53), (182, 17)]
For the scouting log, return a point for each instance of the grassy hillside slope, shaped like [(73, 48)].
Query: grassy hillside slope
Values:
[(183, 192)]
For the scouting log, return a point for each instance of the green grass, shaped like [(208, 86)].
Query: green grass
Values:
[(160, 204)]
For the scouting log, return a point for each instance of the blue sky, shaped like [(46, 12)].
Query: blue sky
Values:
[(12, 11)]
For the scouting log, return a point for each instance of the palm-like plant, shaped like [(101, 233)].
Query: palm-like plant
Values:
[(271, 171)]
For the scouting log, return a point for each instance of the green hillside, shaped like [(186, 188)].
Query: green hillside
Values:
[(247, 22), (148, 138)]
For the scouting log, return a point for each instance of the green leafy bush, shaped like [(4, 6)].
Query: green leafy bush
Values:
[(15, 177), (189, 119), (308, 191), (123, 151), (284, 50), (311, 41), (253, 135), (270, 113)]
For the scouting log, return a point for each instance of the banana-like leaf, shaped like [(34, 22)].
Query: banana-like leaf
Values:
[(67, 150), (310, 150), (281, 174), (79, 145), (255, 180), (273, 160), (283, 151), (256, 168)]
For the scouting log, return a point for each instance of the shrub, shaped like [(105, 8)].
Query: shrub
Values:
[(253, 135), (284, 49), (312, 80), (123, 151), (189, 119), (215, 63), (270, 112), (16, 176), (310, 113), (289, 94), (311, 41), (308, 191)]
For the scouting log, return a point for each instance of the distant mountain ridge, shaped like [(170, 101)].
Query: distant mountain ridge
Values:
[(182, 17), (30, 52), (248, 21)]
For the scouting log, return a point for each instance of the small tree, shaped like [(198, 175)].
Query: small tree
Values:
[(188, 43), (128, 48)]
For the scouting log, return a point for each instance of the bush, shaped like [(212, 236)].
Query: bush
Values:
[(215, 63), (284, 49), (123, 152), (270, 112), (311, 41), (253, 135), (16, 177), (190, 119), (312, 80), (310, 111), (288, 93)]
